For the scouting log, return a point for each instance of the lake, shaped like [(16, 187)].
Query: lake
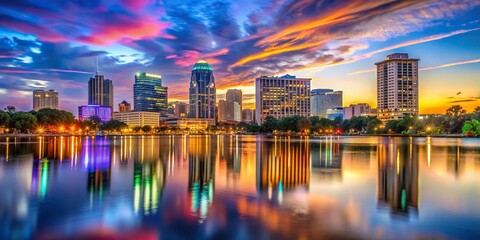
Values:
[(239, 187)]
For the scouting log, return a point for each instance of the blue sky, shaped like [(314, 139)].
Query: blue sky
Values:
[(55, 44)]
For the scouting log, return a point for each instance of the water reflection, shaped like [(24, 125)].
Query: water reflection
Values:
[(204, 187), (398, 179), (201, 173)]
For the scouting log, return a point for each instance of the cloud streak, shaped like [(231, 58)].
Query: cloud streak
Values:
[(446, 65)]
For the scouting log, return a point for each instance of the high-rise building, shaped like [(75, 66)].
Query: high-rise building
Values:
[(124, 107), (45, 99), (202, 92), (148, 93), (103, 112), (234, 95), (100, 91), (229, 111), (323, 99), (281, 96), (355, 110), (397, 87), (247, 115)]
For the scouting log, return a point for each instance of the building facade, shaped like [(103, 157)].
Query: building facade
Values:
[(100, 91), (336, 112), (202, 92), (45, 99), (234, 95), (247, 115), (323, 99), (136, 118), (397, 87), (229, 111), (281, 96), (355, 110), (148, 93), (124, 107), (180, 109), (103, 112)]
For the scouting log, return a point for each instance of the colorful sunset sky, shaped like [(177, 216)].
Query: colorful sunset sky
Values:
[(54, 44)]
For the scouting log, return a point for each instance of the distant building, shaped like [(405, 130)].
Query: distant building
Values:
[(281, 96), (100, 91), (247, 115), (148, 93), (372, 112), (180, 109), (124, 107), (45, 99), (355, 110), (397, 87), (103, 112), (229, 111), (234, 95), (323, 99), (137, 118), (202, 92), (336, 112), (192, 124)]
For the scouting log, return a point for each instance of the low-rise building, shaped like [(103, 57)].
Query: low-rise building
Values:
[(355, 110), (139, 118), (333, 113), (87, 111)]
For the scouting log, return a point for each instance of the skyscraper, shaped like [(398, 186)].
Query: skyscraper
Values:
[(100, 91), (45, 99), (234, 95), (148, 93), (324, 99), (397, 87), (202, 91), (281, 96)]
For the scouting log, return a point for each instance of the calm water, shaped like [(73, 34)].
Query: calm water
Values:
[(239, 187)]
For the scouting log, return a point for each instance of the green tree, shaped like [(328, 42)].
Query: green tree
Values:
[(54, 117), (23, 121), (137, 129), (455, 110), (304, 124), (4, 119), (146, 129), (373, 125), (113, 125), (269, 124), (471, 126)]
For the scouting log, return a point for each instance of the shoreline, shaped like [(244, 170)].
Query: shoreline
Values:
[(250, 134)]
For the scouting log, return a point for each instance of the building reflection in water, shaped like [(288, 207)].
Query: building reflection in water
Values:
[(201, 173), (97, 154), (398, 183), (148, 172), (282, 164), (326, 158)]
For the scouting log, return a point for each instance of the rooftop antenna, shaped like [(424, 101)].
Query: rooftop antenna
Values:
[(98, 72)]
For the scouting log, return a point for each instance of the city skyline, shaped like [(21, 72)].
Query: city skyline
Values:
[(336, 44)]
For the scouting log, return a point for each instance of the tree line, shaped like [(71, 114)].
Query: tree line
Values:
[(455, 120)]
